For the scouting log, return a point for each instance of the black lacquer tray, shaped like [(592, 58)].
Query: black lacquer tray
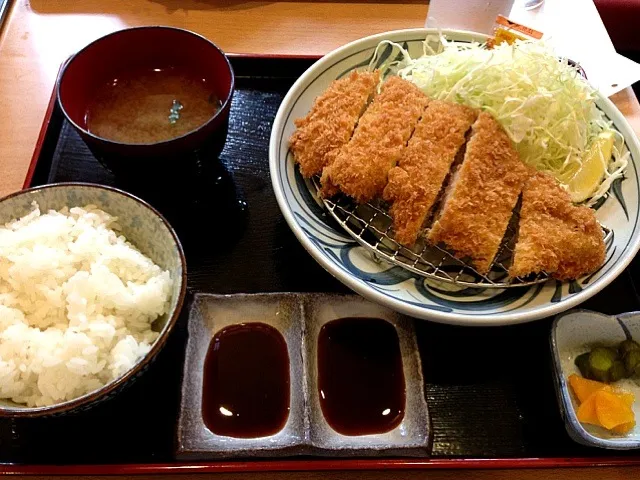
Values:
[(489, 390)]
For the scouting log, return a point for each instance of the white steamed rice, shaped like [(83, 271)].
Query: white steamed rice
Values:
[(76, 304)]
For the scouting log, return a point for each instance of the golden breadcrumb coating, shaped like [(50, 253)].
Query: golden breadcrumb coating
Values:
[(555, 236), (480, 199), (360, 168), (415, 183), (331, 121)]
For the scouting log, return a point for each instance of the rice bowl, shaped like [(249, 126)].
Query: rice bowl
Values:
[(82, 309)]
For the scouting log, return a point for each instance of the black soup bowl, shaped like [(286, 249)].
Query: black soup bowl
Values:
[(154, 49)]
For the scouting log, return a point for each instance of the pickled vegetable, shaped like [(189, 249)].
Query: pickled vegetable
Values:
[(632, 363), (610, 364), (624, 428), (583, 387), (603, 405), (582, 362), (617, 371), (611, 410), (600, 363), (587, 411), (627, 397), (628, 346)]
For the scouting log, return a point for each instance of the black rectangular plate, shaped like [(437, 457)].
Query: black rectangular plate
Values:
[(489, 390)]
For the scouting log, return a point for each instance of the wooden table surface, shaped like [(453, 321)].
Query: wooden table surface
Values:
[(39, 34)]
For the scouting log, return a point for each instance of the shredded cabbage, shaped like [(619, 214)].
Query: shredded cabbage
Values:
[(544, 104)]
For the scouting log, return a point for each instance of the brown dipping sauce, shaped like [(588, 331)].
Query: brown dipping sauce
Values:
[(151, 105), (360, 376), (245, 392)]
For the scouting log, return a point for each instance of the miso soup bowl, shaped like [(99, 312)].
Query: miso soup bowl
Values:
[(141, 48)]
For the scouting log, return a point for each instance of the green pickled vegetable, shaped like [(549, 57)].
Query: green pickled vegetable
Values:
[(617, 371), (628, 346), (614, 351), (632, 362), (610, 364), (582, 362), (600, 362)]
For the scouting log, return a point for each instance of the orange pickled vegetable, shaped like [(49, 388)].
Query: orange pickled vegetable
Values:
[(624, 428), (627, 397), (603, 405), (587, 411), (612, 410), (583, 387)]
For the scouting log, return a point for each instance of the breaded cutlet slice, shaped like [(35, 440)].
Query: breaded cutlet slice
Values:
[(480, 199), (555, 236), (415, 183), (331, 121), (360, 168)]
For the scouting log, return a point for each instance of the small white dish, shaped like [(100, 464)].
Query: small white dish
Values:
[(298, 318), (397, 288), (412, 436), (576, 332), (209, 314)]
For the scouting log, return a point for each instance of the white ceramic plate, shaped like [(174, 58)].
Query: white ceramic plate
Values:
[(574, 333), (397, 288)]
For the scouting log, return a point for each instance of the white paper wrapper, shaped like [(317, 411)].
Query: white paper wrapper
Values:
[(575, 30)]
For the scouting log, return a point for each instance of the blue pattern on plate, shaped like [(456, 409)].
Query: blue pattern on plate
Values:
[(616, 188), (339, 251), (499, 298), (392, 276)]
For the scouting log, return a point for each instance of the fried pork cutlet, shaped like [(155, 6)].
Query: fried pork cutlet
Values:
[(360, 168), (480, 199), (331, 121), (555, 236), (424, 165)]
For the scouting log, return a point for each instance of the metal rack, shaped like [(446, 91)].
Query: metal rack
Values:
[(370, 225)]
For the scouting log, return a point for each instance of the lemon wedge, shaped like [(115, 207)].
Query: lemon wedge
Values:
[(594, 164)]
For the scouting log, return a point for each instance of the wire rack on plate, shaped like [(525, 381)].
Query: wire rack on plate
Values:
[(370, 225)]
